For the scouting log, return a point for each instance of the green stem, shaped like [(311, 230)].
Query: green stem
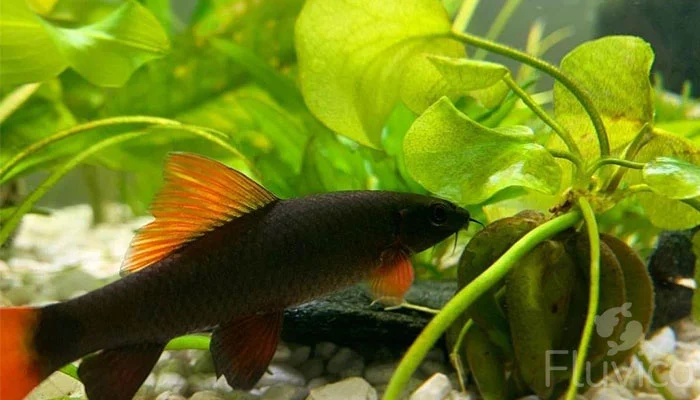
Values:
[(613, 161), (455, 356), (16, 98), (81, 128), (654, 377), (464, 15), (95, 194), (466, 297), (558, 129), (61, 171), (566, 156), (640, 139), (498, 25), (593, 297), (189, 342), (551, 70)]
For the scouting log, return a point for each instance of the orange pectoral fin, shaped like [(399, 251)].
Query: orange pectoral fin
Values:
[(391, 280), (243, 348)]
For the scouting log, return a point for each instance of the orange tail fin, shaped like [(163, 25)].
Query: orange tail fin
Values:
[(19, 369)]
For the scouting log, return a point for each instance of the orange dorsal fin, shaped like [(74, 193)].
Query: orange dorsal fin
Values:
[(199, 195)]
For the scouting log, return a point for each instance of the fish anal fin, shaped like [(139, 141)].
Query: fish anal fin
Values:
[(116, 374), (243, 348), (390, 281), (199, 195)]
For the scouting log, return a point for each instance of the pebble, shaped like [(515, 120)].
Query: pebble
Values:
[(201, 382), (648, 396), (456, 395), (430, 367), (612, 392), (168, 395), (299, 355), (662, 343), (206, 395), (175, 365), (282, 354), (280, 373), (347, 389), (316, 382), (380, 373), (437, 387), (325, 350), (170, 381), (285, 392), (340, 360), (311, 368), (355, 367), (203, 363)]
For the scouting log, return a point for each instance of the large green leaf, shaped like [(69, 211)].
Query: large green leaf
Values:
[(614, 70), (664, 212), (106, 52), (461, 160), (357, 59), (481, 80), (672, 178)]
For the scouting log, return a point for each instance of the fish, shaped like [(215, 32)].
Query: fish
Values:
[(222, 254)]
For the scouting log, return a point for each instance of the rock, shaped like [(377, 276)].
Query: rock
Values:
[(285, 391), (662, 343), (71, 280), (355, 367), (648, 396), (203, 363), (311, 368), (280, 373), (455, 395), (380, 373), (612, 392), (221, 385), (170, 381), (316, 382), (201, 382), (325, 350), (176, 365), (282, 354), (430, 367), (347, 389), (168, 395), (206, 395), (341, 360), (437, 387), (21, 295), (687, 331), (299, 355), (679, 379)]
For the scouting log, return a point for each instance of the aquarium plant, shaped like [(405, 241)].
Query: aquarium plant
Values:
[(326, 95)]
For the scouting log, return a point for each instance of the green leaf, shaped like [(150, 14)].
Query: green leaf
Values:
[(696, 296), (664, 212), (358, 59), (106, 53), (672, 178), (614, 70), (481, 80), (459, 159)]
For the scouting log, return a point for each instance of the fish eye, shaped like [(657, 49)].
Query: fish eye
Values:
[(438, 214)]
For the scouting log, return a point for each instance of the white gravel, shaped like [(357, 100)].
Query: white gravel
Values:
[(60, 256)]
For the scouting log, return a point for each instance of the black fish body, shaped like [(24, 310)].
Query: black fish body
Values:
[(236, 272)]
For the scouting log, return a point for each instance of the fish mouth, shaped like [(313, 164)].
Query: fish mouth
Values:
[(467, 218)]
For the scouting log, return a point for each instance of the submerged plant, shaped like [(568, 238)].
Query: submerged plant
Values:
[(423, 115)]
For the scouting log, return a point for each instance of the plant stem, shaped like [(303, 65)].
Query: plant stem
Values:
[(34, 196), (454, 356), (613, 161), (82, 128), (16, 98), (558, 129), (498, 24), (566, 156), (189, 342), (654, 376), (95, 194), (551, 70), (464, 15), (466, 297), (593, 297), (640, 139)]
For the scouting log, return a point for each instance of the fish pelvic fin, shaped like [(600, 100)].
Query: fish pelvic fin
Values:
[(390, 281), (117, 374), (20, 367), (243, 348), (199, 195)]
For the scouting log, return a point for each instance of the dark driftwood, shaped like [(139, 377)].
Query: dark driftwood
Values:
[(347, 318)]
